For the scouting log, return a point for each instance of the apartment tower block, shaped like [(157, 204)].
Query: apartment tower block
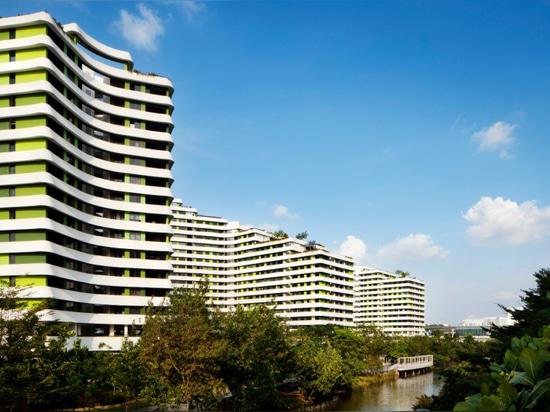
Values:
[(85, 177), (307, 284)]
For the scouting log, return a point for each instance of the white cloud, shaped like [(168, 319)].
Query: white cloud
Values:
[(413, 246), (283, 211), (505, 221), (192, 10), (141, 30), (355, 248), (495, 138)]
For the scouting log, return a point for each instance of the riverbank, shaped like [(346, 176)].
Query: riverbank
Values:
[(373, 379)]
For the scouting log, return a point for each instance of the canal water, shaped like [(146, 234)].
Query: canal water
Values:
[(398, 395)]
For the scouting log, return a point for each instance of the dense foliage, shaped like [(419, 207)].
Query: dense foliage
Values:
[(189, 353), (509, 372)]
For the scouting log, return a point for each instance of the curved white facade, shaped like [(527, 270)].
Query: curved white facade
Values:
[(245, 266), (85, 166)]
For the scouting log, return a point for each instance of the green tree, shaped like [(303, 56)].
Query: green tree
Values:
[(24, 378), (353, 349), (302, 236), (128, 371), (377, 345), (180, 350), (530, 318), (521, 382), (319, 368), (255, 356), (280, 234)]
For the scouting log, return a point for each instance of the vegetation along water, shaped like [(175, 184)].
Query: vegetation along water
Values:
[(249, 360)]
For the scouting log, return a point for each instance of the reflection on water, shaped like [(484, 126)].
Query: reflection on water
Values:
[(399, 395)]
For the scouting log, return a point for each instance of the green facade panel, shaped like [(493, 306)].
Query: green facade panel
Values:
[(30, 190), (24, 259), (29, 54), (31, 281), (32, 144), (30, 122), (31, 99), (31, 168), (31, 76), (31, 213), (29, 236), (31, 31)]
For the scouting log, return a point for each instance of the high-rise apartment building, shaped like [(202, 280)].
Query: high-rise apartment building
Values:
[(85, 176), (245, 265), (392, 302)]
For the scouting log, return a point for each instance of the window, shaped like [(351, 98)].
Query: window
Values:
[(12, 34), (135, 161), (12, 78), (135, 217), (136, 180), (135, 254), (12, 55), (135, 198), (135, 235)]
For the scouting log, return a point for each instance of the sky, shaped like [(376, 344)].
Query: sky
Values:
[(411, 135)]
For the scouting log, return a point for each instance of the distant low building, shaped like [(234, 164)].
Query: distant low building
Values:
[(478, 328)]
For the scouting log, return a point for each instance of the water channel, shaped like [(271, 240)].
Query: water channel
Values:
[(398, 395)]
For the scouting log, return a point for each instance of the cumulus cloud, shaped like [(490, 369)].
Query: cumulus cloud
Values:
[(355, 248), (495, 138), (192, 10), (413, 246), (505, 221), (141, 30), (283, 211)]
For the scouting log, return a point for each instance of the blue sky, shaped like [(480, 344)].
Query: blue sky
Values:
[(412, 135)]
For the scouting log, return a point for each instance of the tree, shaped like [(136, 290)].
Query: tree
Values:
[(255, 356), (280, 234), (377, 345), (128, 371), (319, 368), (520, 382), (24, 378), (530, 318), (180, 350), (352, 347), (302, 236), (402, 273)]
